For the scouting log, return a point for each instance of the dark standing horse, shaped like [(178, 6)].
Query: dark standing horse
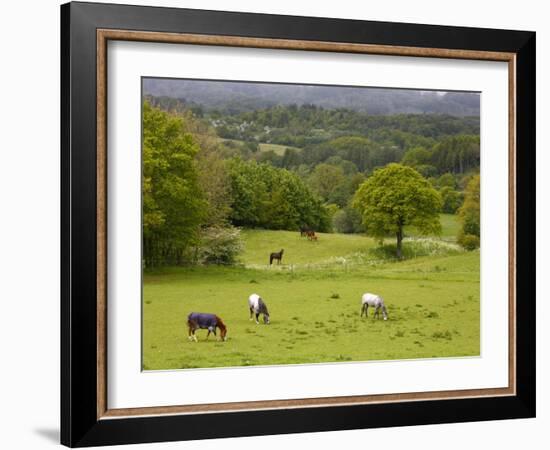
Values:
[(277, 256), (304, 229)]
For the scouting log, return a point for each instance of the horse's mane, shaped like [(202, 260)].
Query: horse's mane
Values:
[(220, 323), (263, 307)]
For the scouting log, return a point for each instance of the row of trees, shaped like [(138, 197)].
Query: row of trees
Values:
[(314, 134), (454, 154), (299, 126), (267, 197)]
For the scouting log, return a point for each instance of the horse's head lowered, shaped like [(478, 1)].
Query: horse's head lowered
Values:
[(223, 329)]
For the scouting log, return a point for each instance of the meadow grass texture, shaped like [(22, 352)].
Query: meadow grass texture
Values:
[(314, 299)]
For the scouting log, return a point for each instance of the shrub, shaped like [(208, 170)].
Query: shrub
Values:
[(469, 241), (219, 245), (451, 200), (417, 247), (469, 214)]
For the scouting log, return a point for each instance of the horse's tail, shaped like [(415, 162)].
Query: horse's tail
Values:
[(271, 259)]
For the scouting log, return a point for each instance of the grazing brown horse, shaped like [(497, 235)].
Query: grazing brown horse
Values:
[(205, 321), (276, 255), (311, 235)]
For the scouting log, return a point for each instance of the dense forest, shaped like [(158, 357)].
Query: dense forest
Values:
[(283, 167)]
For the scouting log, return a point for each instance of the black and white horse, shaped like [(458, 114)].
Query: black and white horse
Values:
[(257, 307), (376, 302), (276, 255)]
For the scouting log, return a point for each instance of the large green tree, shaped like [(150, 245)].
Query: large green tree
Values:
[(213, 178), (325, 178), (268, 197), (173, 204), (394, 197)]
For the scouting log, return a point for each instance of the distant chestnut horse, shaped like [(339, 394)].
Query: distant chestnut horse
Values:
[(278, 256), (311, 235)]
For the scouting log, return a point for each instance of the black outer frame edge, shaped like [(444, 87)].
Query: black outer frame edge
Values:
[(79, 426), (302, 420), (65, 188), (79, 264), (525, 223), (178, 20)]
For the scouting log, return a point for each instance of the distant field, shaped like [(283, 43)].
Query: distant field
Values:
[(450, 226), (314, 301), (276, 148)]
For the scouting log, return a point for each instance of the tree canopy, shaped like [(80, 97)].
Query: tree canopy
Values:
[(315, 134), (173, 203), (267, 197), (394, 197)]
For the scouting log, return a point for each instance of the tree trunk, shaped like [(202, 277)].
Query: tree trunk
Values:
[(399, 235)]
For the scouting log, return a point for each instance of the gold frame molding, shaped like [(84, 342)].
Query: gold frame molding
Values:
[(105, 35)]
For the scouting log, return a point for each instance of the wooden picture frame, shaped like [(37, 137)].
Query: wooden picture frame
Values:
[(86, 418)]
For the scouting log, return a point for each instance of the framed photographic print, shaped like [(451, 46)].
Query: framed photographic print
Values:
[(276, 224)]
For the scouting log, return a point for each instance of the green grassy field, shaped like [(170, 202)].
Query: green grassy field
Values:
[(276, 148), (314, 301), (264, 147), (328, 249), (450, 226)]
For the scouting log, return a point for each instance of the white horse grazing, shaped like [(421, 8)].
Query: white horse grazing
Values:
[(257, 307), (375, 301)]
